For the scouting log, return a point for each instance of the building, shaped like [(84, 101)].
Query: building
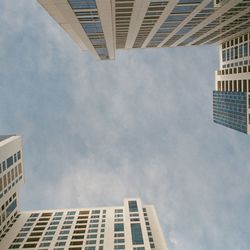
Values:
[(102, 26), (131, 226), (11, 177), (231, 98)]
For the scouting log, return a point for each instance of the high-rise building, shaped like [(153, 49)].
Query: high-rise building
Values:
[(102, 26), (132, 226), (231, 98), (11, 177)]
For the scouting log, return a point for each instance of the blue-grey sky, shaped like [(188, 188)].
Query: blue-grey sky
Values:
[(96, 132)]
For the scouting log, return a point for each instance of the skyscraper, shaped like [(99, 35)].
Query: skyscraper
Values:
[(231, 98), (102, 26), (132, 226)]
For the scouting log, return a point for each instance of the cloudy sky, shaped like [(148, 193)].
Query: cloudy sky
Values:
[(140, 126)]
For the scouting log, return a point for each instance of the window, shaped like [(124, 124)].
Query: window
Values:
[(64, 232), (228, 54), (79, 4), (14, 246), (136, 232), (11, 208), (71, 213), (132, 206), (45, 244), (90, 242), (92, 231), (89, 248), (9, 161), (64, 237), (118, 211), (62, 243), (241, 50), (119, 247), (236, 52), (119, 241), (245, 49), (4, 166), (92, 27), (119, 234), (119, 227), (58, 213), (47, 238), (91, 236), (19, 155)]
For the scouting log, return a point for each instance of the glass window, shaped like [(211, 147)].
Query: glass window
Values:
[(11, 208), (241, 50), (119, 227), (245, 49), (45, 244), (236, 52), (9, 161), (4, 166), (95, 27), (119, 247), (79, 4), (62, 243), (132, 206), (92, 236), (71, 213), (93, 225), (15, 246), (228, 54), (58, 213), (19, 155), (136, 232), (183, 9), (64, 232), (64, 237), (90, 242), (47, 238)]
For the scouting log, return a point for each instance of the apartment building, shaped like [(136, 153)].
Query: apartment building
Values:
[(11, 177), (102, 26), (231, 98)]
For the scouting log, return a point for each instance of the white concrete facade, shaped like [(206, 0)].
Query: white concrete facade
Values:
[(148, 23), (133, 226)]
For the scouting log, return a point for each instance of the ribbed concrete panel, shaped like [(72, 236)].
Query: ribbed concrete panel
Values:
[(105, 13), (139, 11)]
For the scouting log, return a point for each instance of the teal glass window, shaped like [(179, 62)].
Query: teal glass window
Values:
[(136, 232), (132, 206)]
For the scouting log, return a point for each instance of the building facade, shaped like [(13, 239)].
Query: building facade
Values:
[(231, 98), (132, 226), (102, 26)]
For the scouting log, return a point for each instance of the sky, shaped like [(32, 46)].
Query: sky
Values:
[(95, 132)]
